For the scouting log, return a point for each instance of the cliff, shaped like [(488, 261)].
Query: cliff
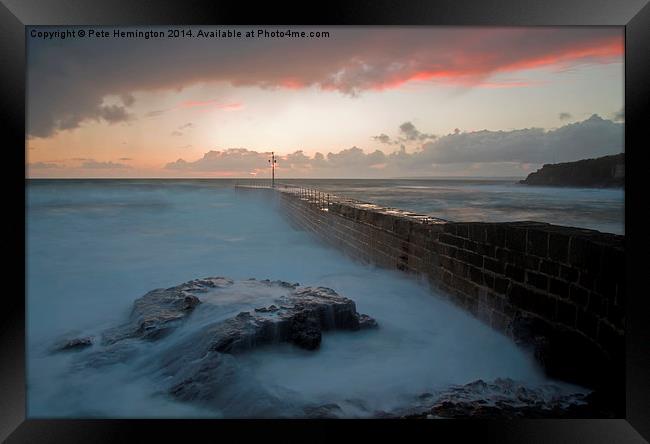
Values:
[(607, 171)]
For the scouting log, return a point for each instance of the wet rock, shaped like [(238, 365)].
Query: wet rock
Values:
[(305, 330), (202, 381), (112, 354), (270, 309), (325, 411), (74, 344), (207, 283), (277, 283), (158, 312), (301, 317), (201, 364), (507, 399), (366, 321), (199, 369)]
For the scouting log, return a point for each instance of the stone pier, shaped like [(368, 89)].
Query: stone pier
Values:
[(558, 290)]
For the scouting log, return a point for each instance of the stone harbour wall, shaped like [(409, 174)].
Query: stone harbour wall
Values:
[(558, 290)]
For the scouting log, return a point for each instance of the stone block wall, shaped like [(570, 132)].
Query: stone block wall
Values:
[(568, 276), (382, 239), (559, 290)]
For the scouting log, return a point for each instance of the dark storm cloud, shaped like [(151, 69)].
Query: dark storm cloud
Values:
[(410, 133), (383, 138), (69, 79), (128, 99), (593, 137), (407, 133), (113, 114)]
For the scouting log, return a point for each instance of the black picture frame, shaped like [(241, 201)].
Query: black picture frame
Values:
[(634, 15)]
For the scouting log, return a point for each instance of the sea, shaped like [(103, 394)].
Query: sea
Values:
[(94, 246)]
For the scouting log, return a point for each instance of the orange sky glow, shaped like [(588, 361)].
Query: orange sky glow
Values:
[(366, 102)]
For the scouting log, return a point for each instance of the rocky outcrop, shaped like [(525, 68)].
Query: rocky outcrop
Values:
[(607, 171), (299, 319), (74, 344), (507, 399), (158, 312), (199, 367), (200, 363)]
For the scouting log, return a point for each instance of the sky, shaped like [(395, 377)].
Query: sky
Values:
[(363, 102)]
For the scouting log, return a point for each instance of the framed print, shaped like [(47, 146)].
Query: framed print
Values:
[(383, 217)]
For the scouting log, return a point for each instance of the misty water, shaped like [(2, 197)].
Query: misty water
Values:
[(93, 247), (488, 200)]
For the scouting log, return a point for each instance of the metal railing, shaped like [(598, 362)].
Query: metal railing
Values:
[(324, 201), (253, 183), (312, 196)]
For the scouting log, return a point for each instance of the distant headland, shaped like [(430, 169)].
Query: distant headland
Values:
[(602, 172)]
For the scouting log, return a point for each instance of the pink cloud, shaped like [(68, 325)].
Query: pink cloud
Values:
[(68, 81), (468, 68)]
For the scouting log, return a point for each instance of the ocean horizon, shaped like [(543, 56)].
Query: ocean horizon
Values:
[(454, 199)]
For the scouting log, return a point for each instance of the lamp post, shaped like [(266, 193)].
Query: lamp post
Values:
[(272, 161)]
